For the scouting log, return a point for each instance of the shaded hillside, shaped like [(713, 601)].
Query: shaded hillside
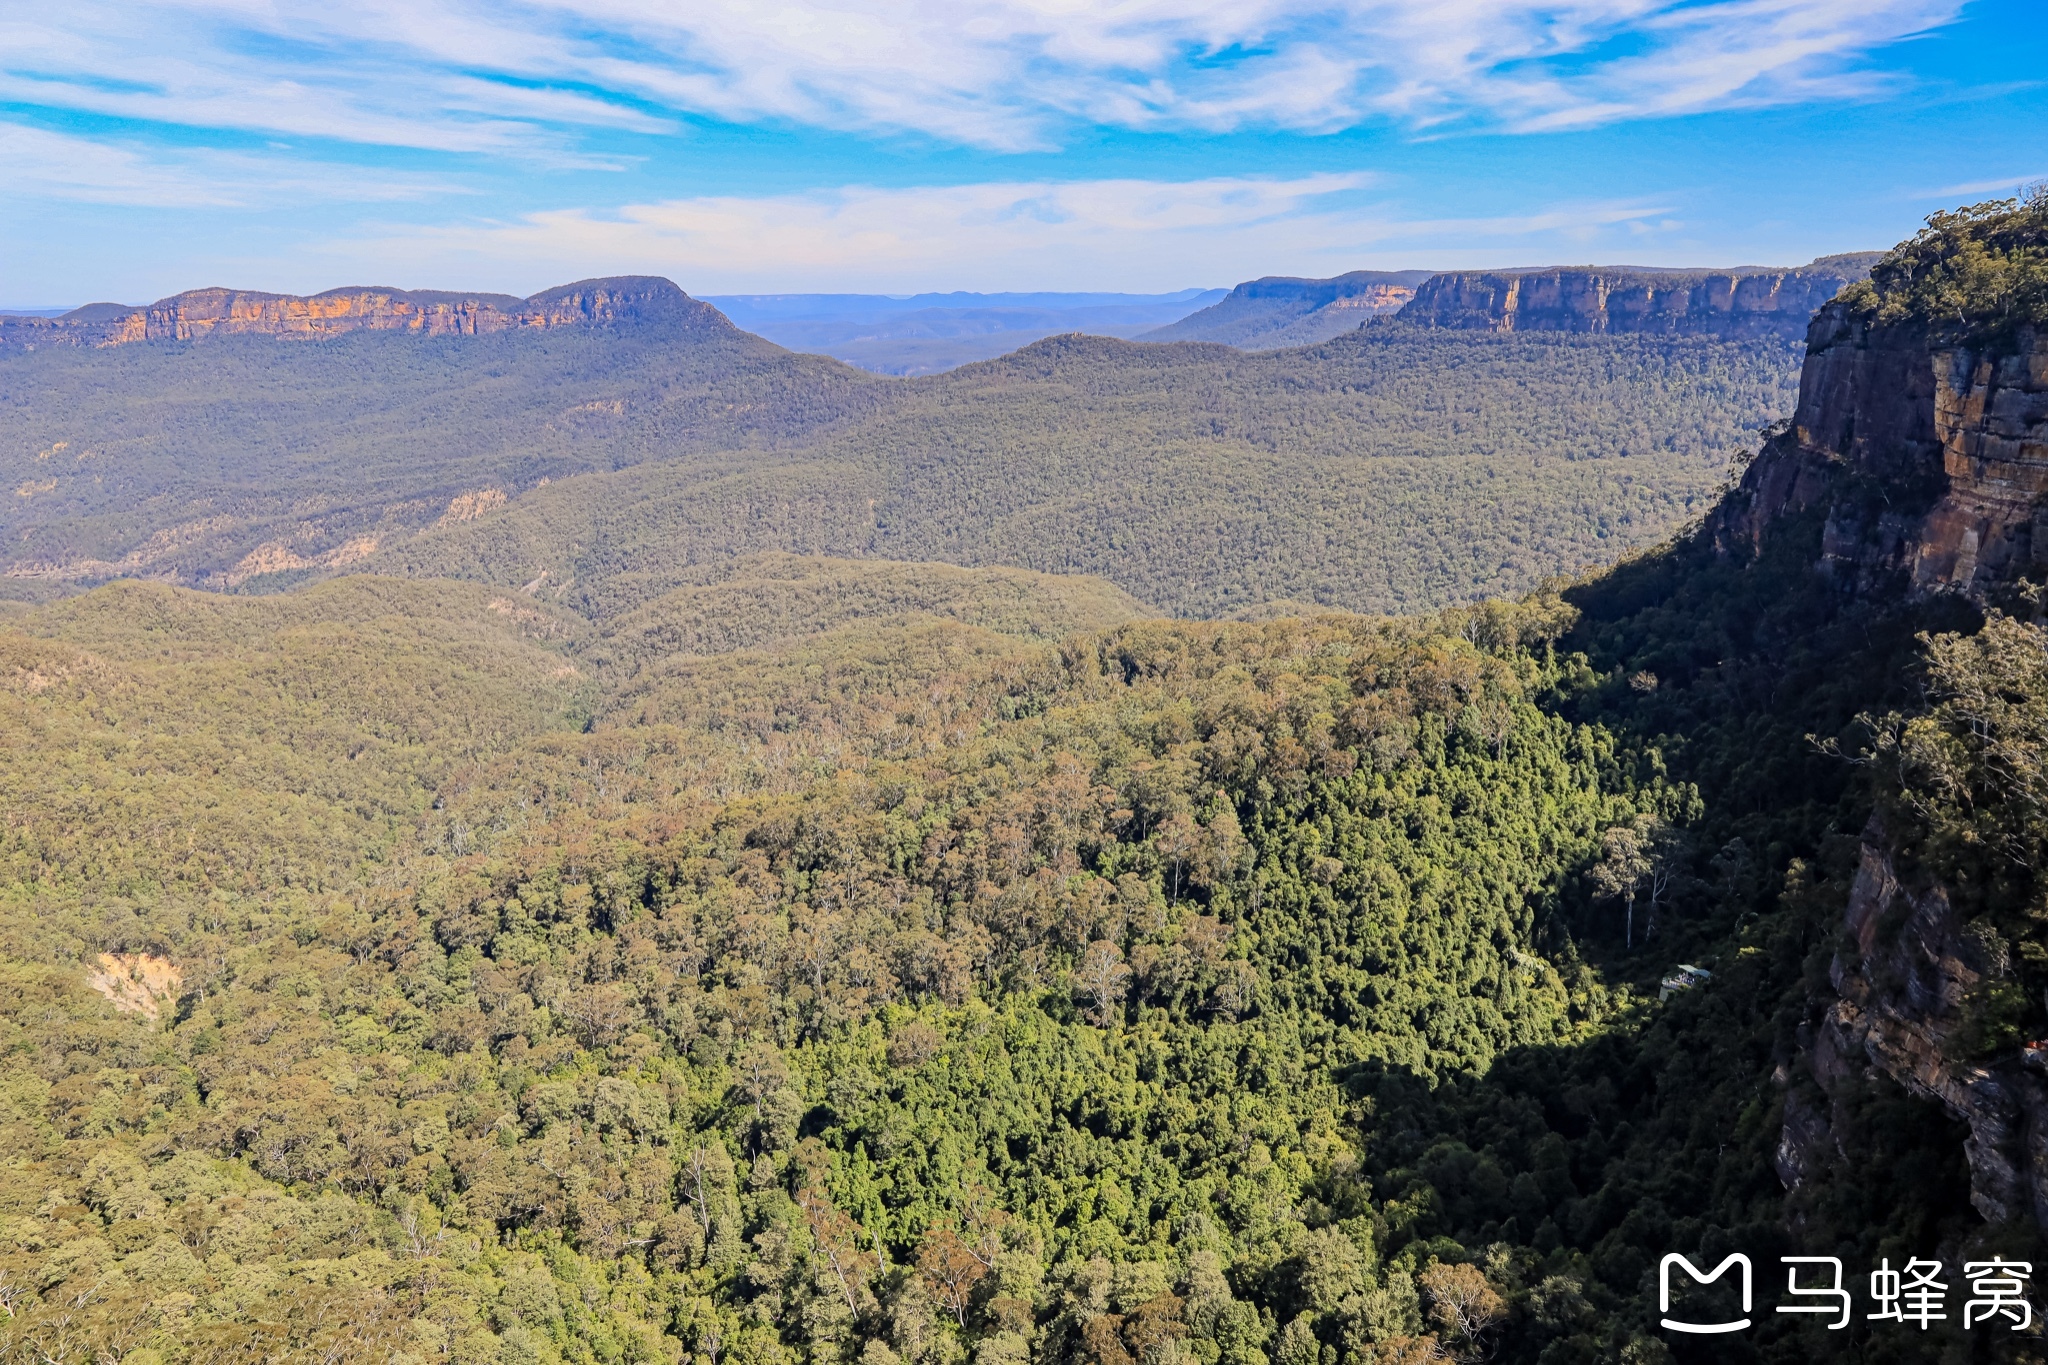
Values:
[(1279, 311), (245, 458)]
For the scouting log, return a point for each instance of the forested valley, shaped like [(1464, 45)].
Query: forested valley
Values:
[(780, 959), (1398, 468)]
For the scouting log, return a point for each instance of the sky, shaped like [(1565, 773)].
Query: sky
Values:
[(897, 146)]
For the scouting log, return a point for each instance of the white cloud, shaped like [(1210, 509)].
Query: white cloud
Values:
[(39, 164), (2005, 188), (1102, 234), (488, 76), (36, 163)]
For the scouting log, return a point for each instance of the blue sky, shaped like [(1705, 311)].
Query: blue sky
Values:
[(904, 145)]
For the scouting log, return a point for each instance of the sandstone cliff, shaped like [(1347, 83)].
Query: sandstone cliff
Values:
[(1901, 979), (1920, 445), (1732, 303), (202, 313), (1931, 461)]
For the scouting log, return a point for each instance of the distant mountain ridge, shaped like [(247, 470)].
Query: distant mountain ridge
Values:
[(596, 464), (1278, 311), (201, 313), (1748, 301), (1736, 302), (928, 333)]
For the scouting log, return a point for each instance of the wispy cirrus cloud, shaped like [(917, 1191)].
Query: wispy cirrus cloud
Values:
[(38, 163), (534, 77), (1112, 234), (2001, 186)]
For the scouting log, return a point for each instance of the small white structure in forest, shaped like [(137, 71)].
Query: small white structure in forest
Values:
[(1683, 978)]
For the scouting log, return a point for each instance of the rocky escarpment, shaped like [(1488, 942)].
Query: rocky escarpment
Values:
[(1931, 462), (1746, 302), (1919, 452), (202, 313), (1903, 977), (1281, 310)]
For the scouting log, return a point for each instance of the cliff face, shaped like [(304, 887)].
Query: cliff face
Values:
[(1929, 465), (202, 313), (1724, 303), (1359, 288), (1932, 462), (1901, 979)]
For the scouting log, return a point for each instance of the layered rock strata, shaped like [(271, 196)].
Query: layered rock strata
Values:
[(1901, 979), (202, 313), (1730, 303), (1928, 465), (1931, 462)]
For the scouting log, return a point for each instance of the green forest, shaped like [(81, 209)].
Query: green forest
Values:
[(1398, 468), (1394, 469), (794, 960)]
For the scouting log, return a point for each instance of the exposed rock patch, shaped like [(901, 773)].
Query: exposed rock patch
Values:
[(278, 557), (137, 983), (470, 506)]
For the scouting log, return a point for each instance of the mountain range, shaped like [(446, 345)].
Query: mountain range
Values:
[(597, 439), (599, 459), (927, 333)]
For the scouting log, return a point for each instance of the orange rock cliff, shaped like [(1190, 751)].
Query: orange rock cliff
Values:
[(201, 313), (1924, 469), (1931, 462)]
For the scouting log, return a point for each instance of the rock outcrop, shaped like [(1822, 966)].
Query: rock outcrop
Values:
[(1901, 980), (202, 313), (1931, 462), (1748, 302), (1924, 461)]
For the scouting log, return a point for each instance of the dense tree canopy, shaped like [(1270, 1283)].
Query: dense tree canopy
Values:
[(1976, 275), (438, 977)]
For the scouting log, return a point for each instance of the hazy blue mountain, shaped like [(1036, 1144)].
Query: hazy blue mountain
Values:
[(927, 333), (1278, 311)]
